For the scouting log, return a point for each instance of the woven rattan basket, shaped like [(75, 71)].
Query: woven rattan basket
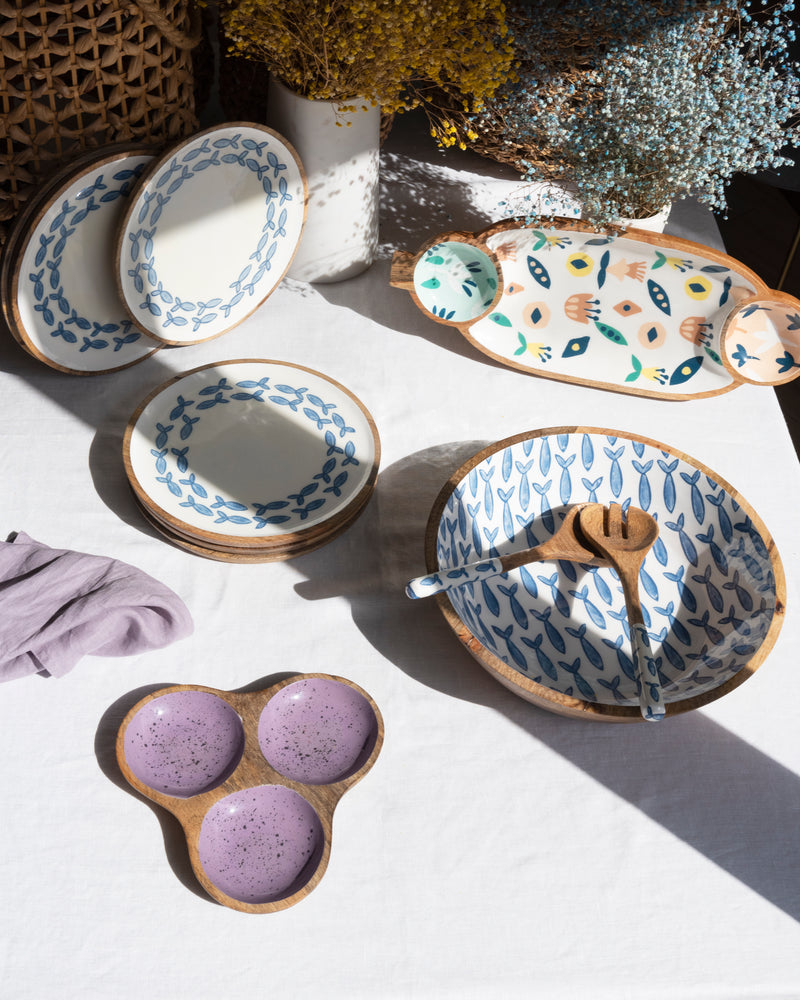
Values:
[(75, 75)]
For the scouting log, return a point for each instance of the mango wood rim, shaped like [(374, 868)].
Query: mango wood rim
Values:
[(555, 701), (270, 554), (403, 264), (775, 297), (209, 540), (30, 217), (252, 770), (148, 173)]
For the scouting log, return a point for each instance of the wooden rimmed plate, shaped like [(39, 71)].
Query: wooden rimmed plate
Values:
[(58, 275), (211, 230), (252, 455)]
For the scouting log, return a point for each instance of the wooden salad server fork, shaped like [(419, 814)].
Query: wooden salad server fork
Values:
[(567, 543), (625, 541)]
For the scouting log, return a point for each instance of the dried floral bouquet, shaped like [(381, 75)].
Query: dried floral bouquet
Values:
[(398, 55)]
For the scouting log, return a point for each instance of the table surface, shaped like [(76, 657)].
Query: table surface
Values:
[(495, 849)]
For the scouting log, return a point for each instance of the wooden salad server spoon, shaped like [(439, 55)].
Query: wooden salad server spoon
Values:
[(625, 540), (567, 543)]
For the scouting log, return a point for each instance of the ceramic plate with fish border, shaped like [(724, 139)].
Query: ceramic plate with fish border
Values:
[(713, 588), (211, 230), (251, 453), (62, 302)]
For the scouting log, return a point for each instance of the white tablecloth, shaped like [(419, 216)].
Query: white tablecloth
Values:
[(495, 850)]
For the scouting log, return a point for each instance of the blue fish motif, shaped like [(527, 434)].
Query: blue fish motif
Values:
[(602, 588), (713, 633), (473, 512), (528, 581), (743, 595), (582, 685), (194, 486), (182, 461), (545, 456), (587, 452), (592, 487), (685, 592), (687, 544), (488, 492), (492, 605), (669, 483), (755, 537), (645, 495), (613, 687), (194, 505), (590, 652), (716, 552), (490, 535), (565, 484), (309, 508), (508, 523), (523, 468), (724, 521), (163, 434), (337, 485), (753, 565), (558, 598), (188, 426), (625, 662), (615, 473), (262, 508), (739, 624), (542, 659), (171, 485), (553, 635), (592, 610), (714, 596), (221, 502), (161, 463), (676, 626), (517, 609), (513, 651), (545, 511)]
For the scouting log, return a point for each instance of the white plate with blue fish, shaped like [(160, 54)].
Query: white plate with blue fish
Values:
[(252, 454), (62, 301), (713, 589), (210, 232)]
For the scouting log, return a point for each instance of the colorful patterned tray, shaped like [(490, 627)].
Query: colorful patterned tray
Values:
[(641, 313)]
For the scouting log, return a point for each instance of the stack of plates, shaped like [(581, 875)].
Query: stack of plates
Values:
[(126, 251), (251, 460)]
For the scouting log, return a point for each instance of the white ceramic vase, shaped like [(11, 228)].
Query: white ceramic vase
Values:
[(652, 224), (340, 153)]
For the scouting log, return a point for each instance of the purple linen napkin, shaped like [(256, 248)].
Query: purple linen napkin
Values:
[(57, 606)]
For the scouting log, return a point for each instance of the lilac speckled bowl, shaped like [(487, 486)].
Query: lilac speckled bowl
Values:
[(184, 742), (317, 730), (261, 844)]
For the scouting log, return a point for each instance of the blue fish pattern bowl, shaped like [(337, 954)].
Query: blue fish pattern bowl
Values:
[(556, 633)]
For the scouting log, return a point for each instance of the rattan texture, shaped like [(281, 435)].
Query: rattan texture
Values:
[(78, 75)]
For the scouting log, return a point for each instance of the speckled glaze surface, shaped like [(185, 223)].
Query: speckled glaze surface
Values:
[(253, 777), (317, 731), (261, 844), (184, 743), (712, 587)]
